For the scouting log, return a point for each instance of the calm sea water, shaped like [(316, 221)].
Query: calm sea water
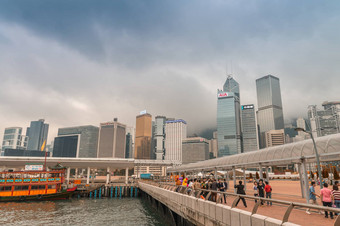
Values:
[(84, 211)]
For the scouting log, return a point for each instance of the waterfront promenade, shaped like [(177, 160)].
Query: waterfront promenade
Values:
[(289, 191)]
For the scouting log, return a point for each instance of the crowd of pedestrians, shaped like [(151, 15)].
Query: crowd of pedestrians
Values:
[(328, 197)]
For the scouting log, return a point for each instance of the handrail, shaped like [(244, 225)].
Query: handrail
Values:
[(291, 205)]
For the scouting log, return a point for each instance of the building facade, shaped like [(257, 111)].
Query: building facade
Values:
[(143, 136), (249, 128), (175, 132), (269, 114), (275, 137), (112, 140), (159, 137), (130, 142), (229, 119), (13, 139), (194, 149), (37, 134), (213, 149), (76, 142), (324, 121)]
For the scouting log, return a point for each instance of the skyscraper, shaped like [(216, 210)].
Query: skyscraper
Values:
[(112, 140), (13, 139), (37, 134), (143, 136), (175, 132), (130, 142), (194, 149), (275, 137), (159, 137), (229, 119), (249, 128), (76, 142), (270, 114)]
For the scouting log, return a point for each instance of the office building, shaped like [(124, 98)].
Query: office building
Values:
[(324, 121), (13, 139), (229, 119), (28, 153), (275, 137), (194, 149), (213, 149), (130, 142), (269, 114), (249, 128), (112, 140), (76, 142), (159, 137), (175, 132), (143, 136), (37, 135)]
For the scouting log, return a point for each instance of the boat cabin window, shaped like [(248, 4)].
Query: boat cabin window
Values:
[(51, 186), (38, 187), (5, 188), (20, 188)]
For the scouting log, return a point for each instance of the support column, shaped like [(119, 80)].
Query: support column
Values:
[(301, 180), (216, 176), (68, 171), (228, 180), (88, 175), (267, 173), (234, 178), (261, 172), (108, 175), (76, 173), (305, 178), (244, 179), (126, 175)]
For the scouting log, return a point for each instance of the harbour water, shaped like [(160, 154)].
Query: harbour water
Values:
[(84, 211)]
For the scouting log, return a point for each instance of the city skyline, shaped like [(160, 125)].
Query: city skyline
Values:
[(74, 67)]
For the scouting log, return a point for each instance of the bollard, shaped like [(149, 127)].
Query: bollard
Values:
[(120, 192), (111, 194), (91, 194), (95, 194), (116, 192), (131, 192), (136, 192), (100, 193), (78, 196)]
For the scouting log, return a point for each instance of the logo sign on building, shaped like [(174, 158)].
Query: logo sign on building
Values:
[(247, 107), (34, 167), (221, 95), (142, 112)]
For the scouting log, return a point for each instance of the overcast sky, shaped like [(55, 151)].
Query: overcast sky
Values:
[(85, 62)]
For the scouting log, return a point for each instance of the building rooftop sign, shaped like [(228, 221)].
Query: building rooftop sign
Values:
[(244, 107), (178, 120)]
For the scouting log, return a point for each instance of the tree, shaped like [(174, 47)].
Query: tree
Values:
[(257, 175), (264, 175), (336, 174), (250, 176)]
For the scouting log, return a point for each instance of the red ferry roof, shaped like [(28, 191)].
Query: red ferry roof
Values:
[(33, 172)]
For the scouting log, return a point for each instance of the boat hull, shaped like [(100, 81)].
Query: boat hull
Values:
[(44, 197)]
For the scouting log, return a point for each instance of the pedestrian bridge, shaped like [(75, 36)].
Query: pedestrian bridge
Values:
[(187, 208)]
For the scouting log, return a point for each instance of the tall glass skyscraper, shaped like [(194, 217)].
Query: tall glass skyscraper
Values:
[(249, 128), (228, 119), (37, 134), (270, 114)]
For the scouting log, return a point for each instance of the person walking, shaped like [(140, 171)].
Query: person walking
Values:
[(312, 196), (256, 192), (214, 189), (240, 191), (222, 188), (326, 198), (336, 196), (260, 188), (268, 189)]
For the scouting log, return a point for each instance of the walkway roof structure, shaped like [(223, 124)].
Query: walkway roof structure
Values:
[(328, 149)]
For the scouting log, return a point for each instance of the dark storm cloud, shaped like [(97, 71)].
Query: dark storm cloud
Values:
[(83, 62)]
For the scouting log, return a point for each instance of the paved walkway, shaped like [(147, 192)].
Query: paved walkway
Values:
[(289, 191)]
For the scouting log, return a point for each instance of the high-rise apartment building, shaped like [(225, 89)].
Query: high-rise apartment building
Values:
[(13, 139), (76, 142), (229, 119), (37, 135), (112, 140), (270, 114), (249, 128), (194, 149), (175, 132), (143, 136), (326, 121), (159, 137), (275, 137)]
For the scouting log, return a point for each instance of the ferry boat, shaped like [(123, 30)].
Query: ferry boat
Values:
[(34, 186)]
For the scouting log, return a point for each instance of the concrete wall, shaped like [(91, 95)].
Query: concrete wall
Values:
[(201, 212)]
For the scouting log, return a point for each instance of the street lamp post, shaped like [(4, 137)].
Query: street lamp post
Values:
[(316, 154)]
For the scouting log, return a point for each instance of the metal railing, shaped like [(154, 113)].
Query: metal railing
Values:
[(291, 205)]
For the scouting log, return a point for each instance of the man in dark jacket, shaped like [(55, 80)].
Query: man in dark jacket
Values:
[(240, 191)]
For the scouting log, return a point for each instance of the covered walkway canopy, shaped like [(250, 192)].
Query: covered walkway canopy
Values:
[(328, 149)]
